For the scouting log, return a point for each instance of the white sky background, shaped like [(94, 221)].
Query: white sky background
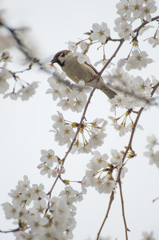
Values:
[(24, 126)]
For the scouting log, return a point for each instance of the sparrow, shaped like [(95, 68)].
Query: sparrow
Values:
[(76, 71)]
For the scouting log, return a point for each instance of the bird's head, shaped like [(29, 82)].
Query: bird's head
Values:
[(60, 57)]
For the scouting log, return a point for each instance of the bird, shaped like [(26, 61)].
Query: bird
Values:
[(77, 71)]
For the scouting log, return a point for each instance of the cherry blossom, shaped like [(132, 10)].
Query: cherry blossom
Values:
[(148, 236), (147, 10), (123, 8), (26, 92), (138, 60), (124, 30), (101, 32), (4, 75)]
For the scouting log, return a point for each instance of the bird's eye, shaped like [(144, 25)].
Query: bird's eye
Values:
[(62, 54)]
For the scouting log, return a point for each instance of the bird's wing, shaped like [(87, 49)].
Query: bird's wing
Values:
[(92, 67)]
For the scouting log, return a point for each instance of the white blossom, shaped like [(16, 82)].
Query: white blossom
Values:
[(65, 104), (101, 32), (103, 62), (116, 158), (123, 19), (4, 75), (27, 92), (78, 105), (97, 139), (144, 29), (123, 8), (152, 141), (12, 95), (39, 206), (147, 10), (45, 169), (148, 236), (108, 186), (59, 120), (72, 46), (48, 157), (136, 6), (11, 211), (142, 86), (154, 41), (37, 223), (38, 191), (100, 160), (138, 60), (124, 30), (82, 58), (123, 171), (83, 46)]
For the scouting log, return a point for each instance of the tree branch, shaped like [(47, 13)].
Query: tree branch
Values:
[(102, 70), (123, 211), (145, 23), (74, 139), (22, 47), (107, 213), (119, 173)]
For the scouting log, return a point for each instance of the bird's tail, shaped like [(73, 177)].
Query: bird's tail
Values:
[(109, 92)]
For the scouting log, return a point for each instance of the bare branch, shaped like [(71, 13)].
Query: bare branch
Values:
[(11, 231), (49, 193), (123, 211), (23, 48), (119, 173), (102, 70), (145, 23), (79, 126), (74, 139), (155, 199), (107, 213)]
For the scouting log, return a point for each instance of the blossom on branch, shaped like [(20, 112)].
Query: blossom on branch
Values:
[(138, 60), (101, 32)]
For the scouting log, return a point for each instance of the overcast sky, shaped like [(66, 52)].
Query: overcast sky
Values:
[(24, 126)]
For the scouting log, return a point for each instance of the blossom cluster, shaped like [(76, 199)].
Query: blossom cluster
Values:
[(71, 97), (25, 91), (147, 236), (129, 11), (48, 159), (92, 133), (132, 91), (40, 217), (99, 172), (152, 154)]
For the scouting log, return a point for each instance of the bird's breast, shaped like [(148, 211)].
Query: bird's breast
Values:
[(76, 71)]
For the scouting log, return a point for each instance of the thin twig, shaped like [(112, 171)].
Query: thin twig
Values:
[(22, 47), (49, 193), (102, 70), (155, 199), (145, 23), (28, 55), (123, 211), (79, 126), (118, 177), (119, 172), (74, 139), (106, 216), (11, 231)]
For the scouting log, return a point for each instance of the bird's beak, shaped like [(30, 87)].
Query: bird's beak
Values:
[(54, 60)]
